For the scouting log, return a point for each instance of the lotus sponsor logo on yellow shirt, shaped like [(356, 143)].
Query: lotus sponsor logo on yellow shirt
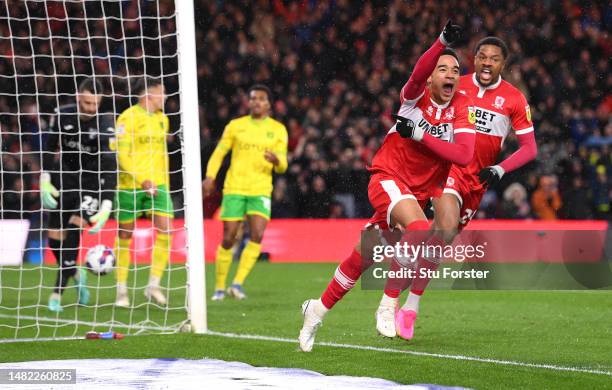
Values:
[(147, 139), (251, 146)]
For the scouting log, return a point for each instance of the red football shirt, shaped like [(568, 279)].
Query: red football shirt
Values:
[(500, 108), (413, 162)]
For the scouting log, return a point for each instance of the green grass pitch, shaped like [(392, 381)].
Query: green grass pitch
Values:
[(557, 328)]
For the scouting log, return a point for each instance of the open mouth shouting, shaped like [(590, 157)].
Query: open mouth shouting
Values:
[(485, 75), (447, 89)]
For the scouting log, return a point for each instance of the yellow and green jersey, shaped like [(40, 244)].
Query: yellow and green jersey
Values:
[(248, 139), (141, 147)]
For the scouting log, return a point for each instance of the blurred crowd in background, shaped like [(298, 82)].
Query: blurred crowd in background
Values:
[(336, 69)]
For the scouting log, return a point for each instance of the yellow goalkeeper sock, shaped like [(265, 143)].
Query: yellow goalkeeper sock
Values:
[(248, 258), (161, 254), (122, 251), (222, 266)]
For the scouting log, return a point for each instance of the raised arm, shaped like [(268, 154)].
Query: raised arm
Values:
[(427, 62)]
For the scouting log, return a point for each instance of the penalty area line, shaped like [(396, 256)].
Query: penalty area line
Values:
[(415, 353)]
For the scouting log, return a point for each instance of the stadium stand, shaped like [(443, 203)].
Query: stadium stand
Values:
[(335, 68)]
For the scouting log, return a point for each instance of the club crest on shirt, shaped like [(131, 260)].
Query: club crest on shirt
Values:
[(499, 102), (528, 112), (270, 134), (449, 114), (430, 110)]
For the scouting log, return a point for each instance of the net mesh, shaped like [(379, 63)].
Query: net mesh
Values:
[(46, 49)]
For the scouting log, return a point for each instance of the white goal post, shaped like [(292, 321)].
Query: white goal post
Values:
[(192, 171)]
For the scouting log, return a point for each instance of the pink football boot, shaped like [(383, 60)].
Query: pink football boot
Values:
[(404, 323)]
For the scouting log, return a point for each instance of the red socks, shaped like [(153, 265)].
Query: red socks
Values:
[(416, 233), (344, 279), (420, 282)]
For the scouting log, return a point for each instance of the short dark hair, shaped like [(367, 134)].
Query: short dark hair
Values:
[(495, 41), (144, 83), (263, 88), (450, 52), (91, 85)]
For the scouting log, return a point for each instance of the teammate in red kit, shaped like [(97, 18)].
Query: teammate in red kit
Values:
[(435, 128), (500, 108)]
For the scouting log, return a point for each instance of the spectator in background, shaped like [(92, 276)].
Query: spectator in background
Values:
[(515, 204), (601, 194), (577, 202), (546, 200), (283, 201), (318, 200)]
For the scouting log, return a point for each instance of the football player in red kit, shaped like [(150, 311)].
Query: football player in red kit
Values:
[(500, 108), (435, 128)]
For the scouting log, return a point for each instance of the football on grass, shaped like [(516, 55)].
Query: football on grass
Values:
[(100, 259)]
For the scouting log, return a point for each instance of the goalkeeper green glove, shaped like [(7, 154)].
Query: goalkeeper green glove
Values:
[(101, 216), (48, 192)]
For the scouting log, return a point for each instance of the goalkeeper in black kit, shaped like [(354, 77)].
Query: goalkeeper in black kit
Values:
[(77, 183)]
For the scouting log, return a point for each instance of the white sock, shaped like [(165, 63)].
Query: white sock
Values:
[(319, 308), (388, 301), (412, 303), (153, 281), (121, 289), (55, 296)]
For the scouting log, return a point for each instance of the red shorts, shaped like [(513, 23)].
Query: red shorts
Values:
[(384, 191), (468, 194)]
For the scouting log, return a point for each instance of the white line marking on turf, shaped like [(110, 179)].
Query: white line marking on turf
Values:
[(416, 353), (335, 345)]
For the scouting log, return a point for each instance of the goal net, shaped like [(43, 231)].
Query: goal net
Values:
[(47, 48)]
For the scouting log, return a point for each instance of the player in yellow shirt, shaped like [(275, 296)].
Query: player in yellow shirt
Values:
[(259, 146), (143, 185)]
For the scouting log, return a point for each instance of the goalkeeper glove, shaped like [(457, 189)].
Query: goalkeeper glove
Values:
[(48, 192), (101, 216), (406, 128), (451, 33), (490, 176)]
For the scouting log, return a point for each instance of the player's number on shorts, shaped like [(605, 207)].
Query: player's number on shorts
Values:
[(469, 214), (89, 204), (266, 202)]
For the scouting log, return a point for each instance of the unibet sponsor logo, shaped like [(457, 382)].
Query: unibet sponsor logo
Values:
[(484, 120), (435, 130)]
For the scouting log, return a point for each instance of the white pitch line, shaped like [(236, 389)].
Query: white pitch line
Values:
[(356, 347), (416, 353)]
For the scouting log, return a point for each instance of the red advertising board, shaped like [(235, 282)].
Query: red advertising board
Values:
[(331, 240)]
